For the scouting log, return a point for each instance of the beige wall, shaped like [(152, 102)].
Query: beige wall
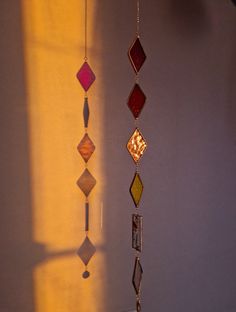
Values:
[(188, 170)]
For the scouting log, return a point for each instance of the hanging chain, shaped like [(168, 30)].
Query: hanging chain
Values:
[(137, 19), (85, 30)]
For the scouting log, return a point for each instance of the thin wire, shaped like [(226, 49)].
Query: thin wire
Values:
[(85, 29), (137, 19)]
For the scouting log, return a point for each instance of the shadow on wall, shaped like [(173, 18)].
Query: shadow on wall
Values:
[(18, 252), (189, 17)]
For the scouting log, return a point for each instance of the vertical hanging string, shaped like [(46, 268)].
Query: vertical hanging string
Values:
[(137, 19), (85, 29)]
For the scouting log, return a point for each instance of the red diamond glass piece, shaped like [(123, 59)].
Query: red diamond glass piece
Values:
[(136, 101), (85, 76), (137, 55)]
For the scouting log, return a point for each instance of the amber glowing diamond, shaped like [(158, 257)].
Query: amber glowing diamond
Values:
[(86, 147), (136, 189), (136, 145), (86, 251), (137, 275), (86, 182), (85, 76), (136, 100), (137, 55)]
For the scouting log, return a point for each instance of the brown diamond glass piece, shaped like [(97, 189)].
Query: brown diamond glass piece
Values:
[(136, 100), (137, 275), (136, 145), (137, 55), (136, 189), (137, 228), (86, 251), (86, 182), (86, 147)]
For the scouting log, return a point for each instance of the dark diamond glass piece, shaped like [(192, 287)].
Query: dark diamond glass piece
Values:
[(137, 275), (137, 55), (86, 251), (136, 100), (137, 228), (86, 182), (86, 112)]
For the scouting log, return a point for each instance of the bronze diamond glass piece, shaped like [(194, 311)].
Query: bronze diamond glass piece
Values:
[(137, 229), (137, 55), (136, 189), (136, 145), (86, 251), (86, 147), (137, 275), (86, 182)]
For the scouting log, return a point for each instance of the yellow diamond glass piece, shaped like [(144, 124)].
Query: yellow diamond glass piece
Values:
[(136, 145), (136, 189)]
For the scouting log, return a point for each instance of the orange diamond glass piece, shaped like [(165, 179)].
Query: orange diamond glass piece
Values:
[(86, 147), (136, 189), (136, 145), (86, 182)]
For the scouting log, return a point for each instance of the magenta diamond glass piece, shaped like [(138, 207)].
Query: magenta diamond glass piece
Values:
[(85, 76), (137, 55)]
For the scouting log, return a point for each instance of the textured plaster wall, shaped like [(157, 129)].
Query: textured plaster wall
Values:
[(188, 171)]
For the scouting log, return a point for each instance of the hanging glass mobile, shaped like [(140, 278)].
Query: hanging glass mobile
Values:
[(86, 147), (136, 147)]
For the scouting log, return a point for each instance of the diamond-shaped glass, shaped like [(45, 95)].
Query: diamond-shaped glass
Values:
[(136, 145), (136, 100), (85, 76), (137, 275), (86, 182), (86, 147), (86, 251), (137, 55), (136, 189)]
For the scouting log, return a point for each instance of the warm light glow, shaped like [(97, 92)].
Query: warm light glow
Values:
[(54, 48)]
